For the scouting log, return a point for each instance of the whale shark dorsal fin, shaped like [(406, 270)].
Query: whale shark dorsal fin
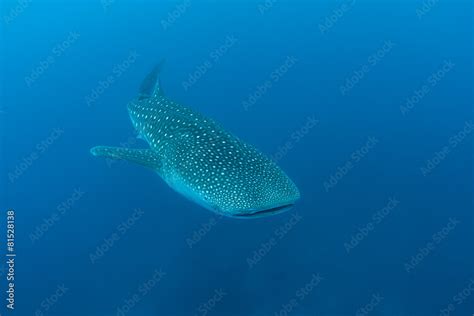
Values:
[(151, 86), (144, 157)]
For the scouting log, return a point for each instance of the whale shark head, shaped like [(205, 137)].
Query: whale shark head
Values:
[(201, 160), (265, 204)]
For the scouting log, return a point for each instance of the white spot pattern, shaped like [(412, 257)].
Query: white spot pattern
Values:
[(227, 175)]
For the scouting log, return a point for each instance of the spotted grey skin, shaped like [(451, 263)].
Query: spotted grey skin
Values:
[(201, 160)]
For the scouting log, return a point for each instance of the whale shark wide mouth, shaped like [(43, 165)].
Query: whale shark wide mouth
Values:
[(267, 212)]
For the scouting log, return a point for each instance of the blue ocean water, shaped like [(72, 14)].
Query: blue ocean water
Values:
[(368, 106)]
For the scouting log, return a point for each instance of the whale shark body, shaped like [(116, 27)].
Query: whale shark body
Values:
[(199, 159)]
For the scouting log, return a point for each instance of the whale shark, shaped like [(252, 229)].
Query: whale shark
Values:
[(198, 158)]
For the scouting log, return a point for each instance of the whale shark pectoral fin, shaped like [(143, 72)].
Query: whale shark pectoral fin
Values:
[(144, 157), (151, 86)]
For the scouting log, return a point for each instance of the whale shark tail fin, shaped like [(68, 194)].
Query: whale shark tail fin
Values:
[(151, 85), (144, 157)]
